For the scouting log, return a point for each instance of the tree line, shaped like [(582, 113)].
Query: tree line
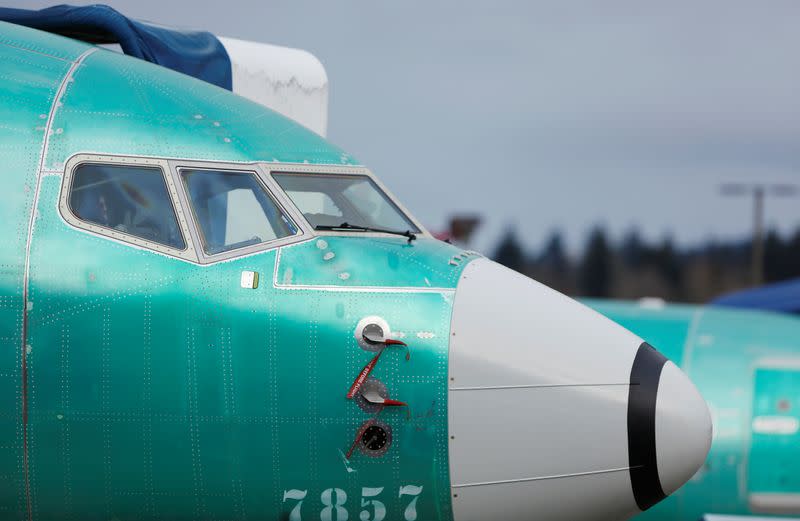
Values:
[(633, 267)]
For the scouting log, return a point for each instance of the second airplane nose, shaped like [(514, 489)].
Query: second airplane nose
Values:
[(683, 428), (669, 427), (557, 413)]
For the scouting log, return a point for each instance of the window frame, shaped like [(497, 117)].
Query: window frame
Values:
[(189, 251), (303, 231), (194, 251), (279, 168)]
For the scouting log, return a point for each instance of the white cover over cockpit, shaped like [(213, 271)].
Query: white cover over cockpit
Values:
[(290, 81)]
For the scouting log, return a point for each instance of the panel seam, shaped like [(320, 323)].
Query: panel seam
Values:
[(538, 386), (689, 344), (32, 51), (541, 478), (26, 274)]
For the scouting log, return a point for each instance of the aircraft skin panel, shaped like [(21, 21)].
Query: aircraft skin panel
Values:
[(31, 76), (775, 488), (234, 398), (332, 261), (38, 42), (729, 354), (163, 113)]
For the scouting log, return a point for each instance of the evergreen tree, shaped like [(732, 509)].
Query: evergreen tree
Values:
[(792, 253), (776, 258), (668, 264), (633, 250), (509, 252), (553, 256), (594, 276)]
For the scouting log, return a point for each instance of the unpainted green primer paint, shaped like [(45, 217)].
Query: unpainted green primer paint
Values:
[(161, 389), (393, 262), (119, 105), (775, 445)]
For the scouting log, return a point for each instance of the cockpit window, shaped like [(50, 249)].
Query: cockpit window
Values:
[(129, 199), (329, 201), (233, 210)]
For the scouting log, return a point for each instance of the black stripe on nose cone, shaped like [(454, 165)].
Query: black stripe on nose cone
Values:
[(645, 375)]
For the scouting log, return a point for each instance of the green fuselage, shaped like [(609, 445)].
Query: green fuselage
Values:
[(138, 385), (747, 366)]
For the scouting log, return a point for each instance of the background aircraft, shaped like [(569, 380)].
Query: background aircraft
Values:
[(206, 311)]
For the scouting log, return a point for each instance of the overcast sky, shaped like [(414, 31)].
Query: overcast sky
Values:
[(549, 115)]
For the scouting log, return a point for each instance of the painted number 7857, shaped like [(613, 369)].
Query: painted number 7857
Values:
[(334, 499)]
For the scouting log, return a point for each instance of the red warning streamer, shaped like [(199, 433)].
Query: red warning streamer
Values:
[(362, 376)]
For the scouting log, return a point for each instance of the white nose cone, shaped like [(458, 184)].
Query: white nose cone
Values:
[(683, 428), (557, 413)]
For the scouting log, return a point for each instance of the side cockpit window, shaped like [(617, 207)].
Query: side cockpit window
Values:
[(129, 199), (233, 210)]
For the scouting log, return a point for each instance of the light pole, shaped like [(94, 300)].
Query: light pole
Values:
[(758, 191)]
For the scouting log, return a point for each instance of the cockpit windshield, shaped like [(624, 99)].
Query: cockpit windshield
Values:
[(329, 201), (233, 210)]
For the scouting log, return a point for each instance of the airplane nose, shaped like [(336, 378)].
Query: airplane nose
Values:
[(557, 413), (683, 429), (669, 427)]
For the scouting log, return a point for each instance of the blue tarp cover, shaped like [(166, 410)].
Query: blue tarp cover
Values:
[(196, 53), (782, 296)]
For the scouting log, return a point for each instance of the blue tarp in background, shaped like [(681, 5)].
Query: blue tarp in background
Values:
[(196, 53), (781, 296)]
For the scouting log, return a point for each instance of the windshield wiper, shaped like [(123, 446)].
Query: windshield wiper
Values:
[(347, 226)]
